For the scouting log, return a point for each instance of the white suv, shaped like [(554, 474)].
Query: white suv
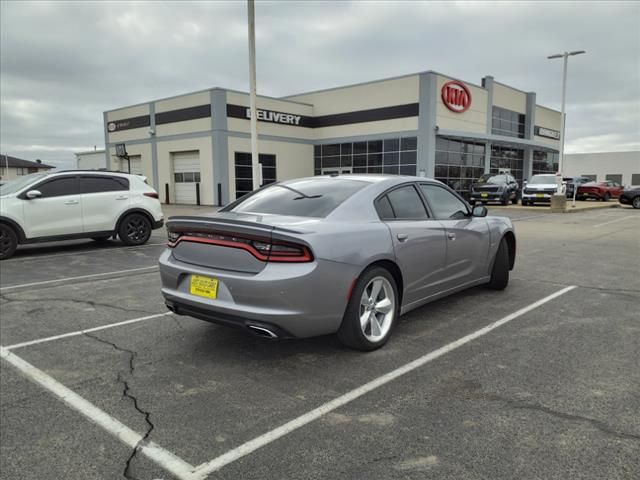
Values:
[(44, 207)]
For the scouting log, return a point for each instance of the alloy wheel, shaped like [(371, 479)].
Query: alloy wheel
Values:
[(377, 308), (137, 229), (6, 243), (636, 202)]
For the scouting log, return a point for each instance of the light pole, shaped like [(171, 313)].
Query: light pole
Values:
[(566, 56), (255, 165)]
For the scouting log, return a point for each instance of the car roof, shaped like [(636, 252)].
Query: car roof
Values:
[(368, 178)]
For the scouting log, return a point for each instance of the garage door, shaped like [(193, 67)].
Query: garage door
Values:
[(186, 173), (136, 165)]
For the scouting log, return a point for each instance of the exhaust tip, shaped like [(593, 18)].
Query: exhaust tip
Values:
[(262, 332)]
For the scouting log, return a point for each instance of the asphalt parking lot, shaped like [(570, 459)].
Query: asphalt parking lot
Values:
[(92, 365)]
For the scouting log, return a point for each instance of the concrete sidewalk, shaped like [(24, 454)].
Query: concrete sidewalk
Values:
[(173, 210), (581, 206)]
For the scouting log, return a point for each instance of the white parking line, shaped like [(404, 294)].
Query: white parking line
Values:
[(616, 220), (528, 218), (80, 252), (202, 471), (82, 332), (165, 459), (81, 277)]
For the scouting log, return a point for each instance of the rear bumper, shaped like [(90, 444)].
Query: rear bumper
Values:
[(297, 300), (181, 308)]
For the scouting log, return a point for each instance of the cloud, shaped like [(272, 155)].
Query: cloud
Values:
[(63, 63)]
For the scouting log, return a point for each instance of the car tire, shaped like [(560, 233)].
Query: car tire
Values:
[(100, 239), (134, 229), (635, 202), (367, 335), (514, 200), (606, 197), (500, 272), (8, 241), (505, 200), (524, 203)]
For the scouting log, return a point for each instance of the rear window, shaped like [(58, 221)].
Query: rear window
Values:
[(302, 198)]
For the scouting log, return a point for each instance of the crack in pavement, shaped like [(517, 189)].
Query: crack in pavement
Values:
[(91, 303), (126, 393), (602, 426)]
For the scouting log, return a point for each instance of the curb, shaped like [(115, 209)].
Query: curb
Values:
[(547, 209)]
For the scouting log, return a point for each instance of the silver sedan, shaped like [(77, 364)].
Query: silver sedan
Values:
[(321, 255)]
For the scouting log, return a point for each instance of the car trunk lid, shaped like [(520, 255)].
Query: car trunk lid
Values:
[(236, 242)]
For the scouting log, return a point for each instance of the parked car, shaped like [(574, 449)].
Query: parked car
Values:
[(492, 187), (321, 255), (539, 189), (44, 207), (600, 190), (573, 182), (631, 196)]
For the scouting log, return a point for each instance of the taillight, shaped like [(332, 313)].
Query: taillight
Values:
[(261, 248), (151, 194)]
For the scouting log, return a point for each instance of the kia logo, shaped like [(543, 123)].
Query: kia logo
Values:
[(456, 96)]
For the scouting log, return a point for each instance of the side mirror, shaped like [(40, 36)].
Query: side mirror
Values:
[(524, 182), (479, 211), (31, 194)]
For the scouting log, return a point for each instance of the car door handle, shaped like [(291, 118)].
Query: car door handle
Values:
[(451, 236), (402, 237), (71, 202), (122, 197)]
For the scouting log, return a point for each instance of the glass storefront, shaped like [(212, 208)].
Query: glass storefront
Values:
[(544, 162), (396, 156), (458, 163), (507, 122), (507, 159)]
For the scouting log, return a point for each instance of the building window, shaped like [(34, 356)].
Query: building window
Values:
[(635, 179), (244, 172), (591, 177), (458, 163), (544, 162), (614, 177), (507, 123), (397, 156), (21, 171), (507, 159)]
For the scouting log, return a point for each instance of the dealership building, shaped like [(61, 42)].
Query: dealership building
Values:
[(196, 147)]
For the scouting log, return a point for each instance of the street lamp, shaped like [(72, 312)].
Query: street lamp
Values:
[(566, 56)]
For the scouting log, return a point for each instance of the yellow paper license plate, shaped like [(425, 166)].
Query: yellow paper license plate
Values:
[(204, 286), (540, 195), (484, 194)]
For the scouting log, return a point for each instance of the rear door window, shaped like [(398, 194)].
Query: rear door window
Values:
[(407, 204), (103, 183), (384, 209)]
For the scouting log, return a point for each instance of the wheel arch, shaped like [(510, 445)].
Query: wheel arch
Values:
[(510, 238), (16, 227), (393, 268), (129, 212)]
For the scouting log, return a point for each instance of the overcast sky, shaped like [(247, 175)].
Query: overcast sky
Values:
[(64, 63)]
